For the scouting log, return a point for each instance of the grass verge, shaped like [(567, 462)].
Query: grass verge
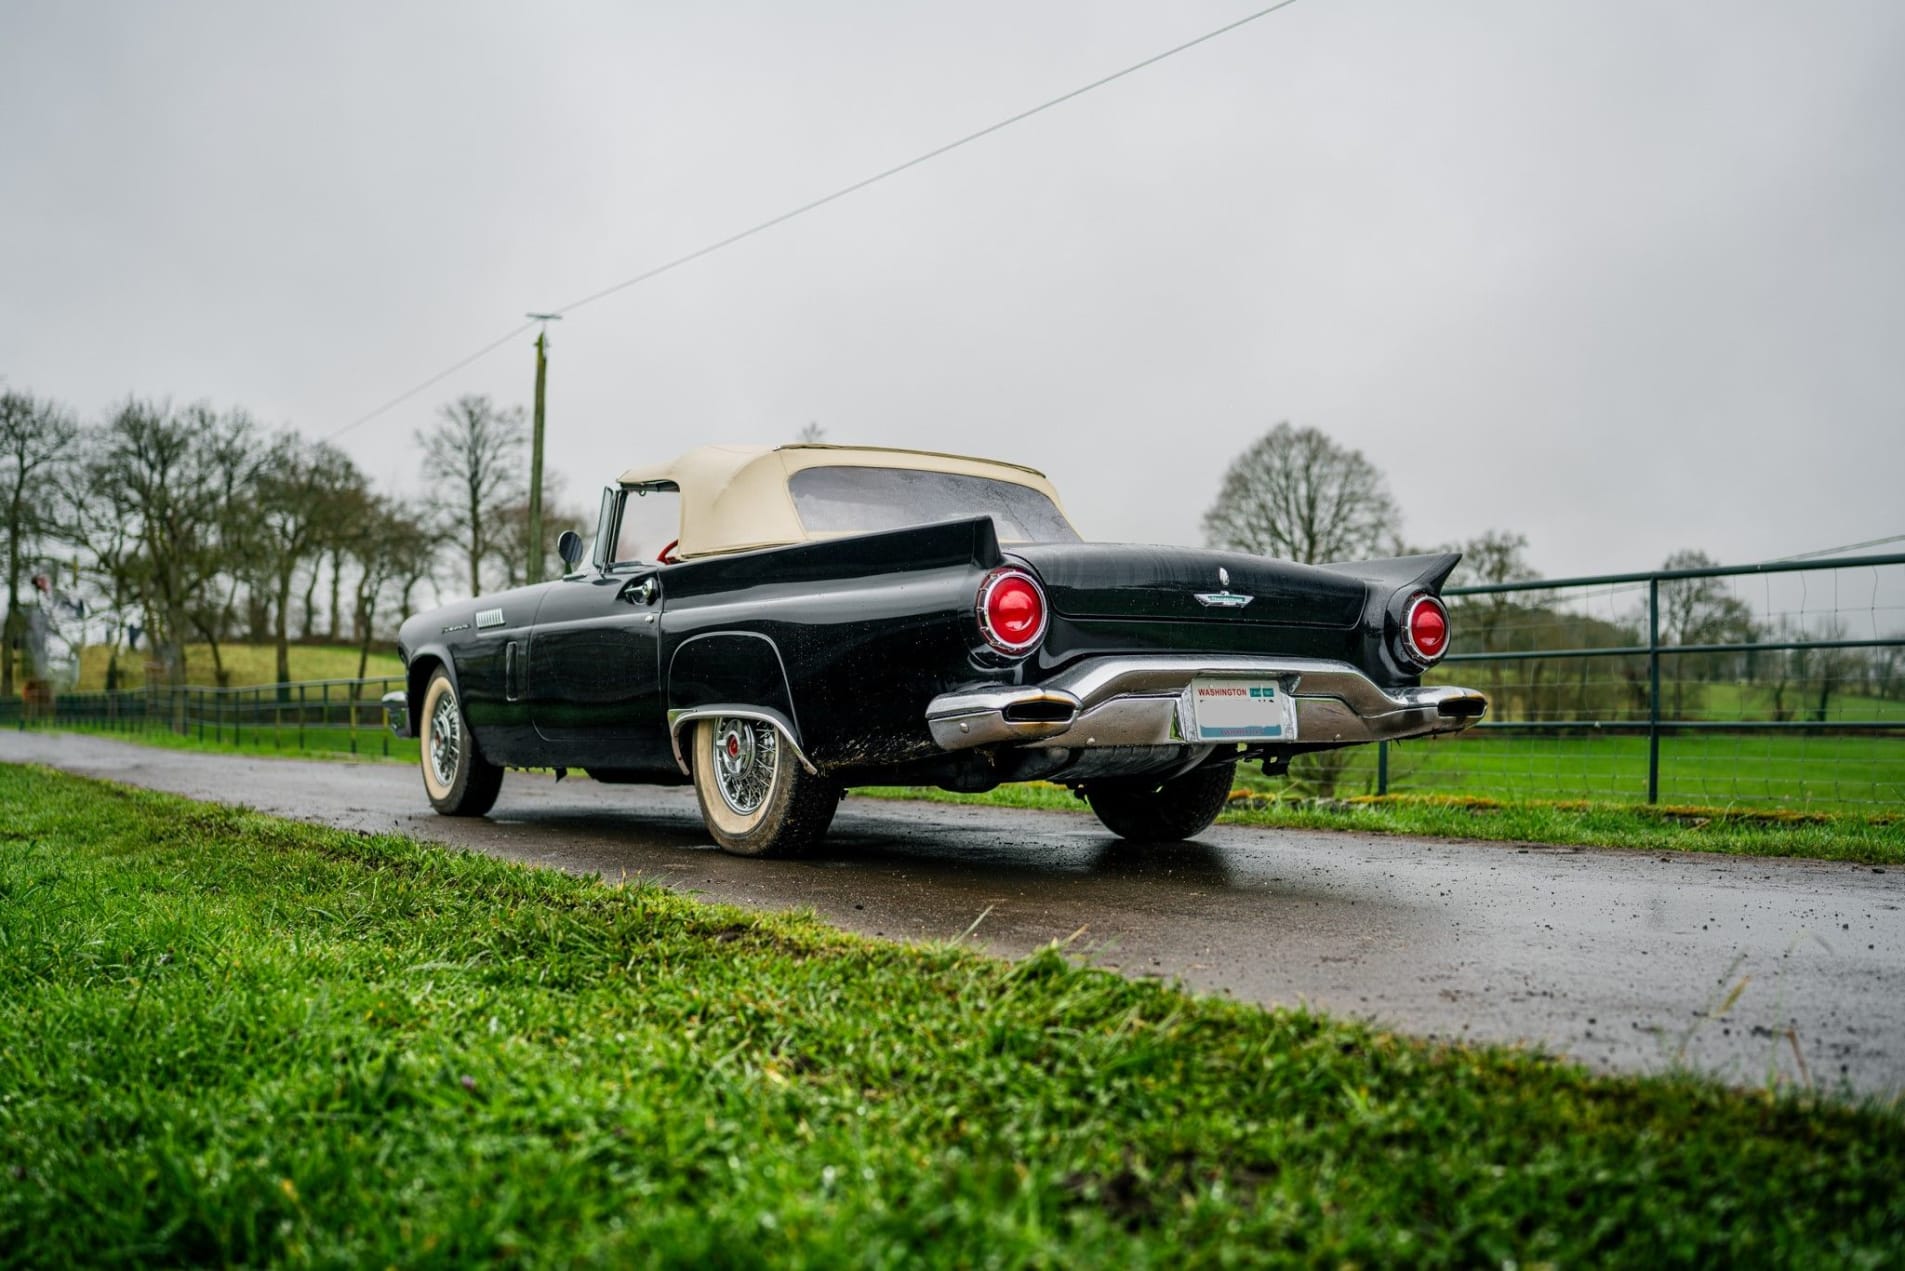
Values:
[(1868, 839), (230, 1038)]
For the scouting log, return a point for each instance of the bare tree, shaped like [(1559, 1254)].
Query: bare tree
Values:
[(110, 548), (301, 487), (510, 547), (346, 501), (811, 434), (163, 469), (1699, 611), (230, 457), (1297, 495), (473, 458), (36, 443), (385, 543)]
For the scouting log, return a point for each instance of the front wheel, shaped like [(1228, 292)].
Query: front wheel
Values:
[(1153, 812), (459, 781), (755, 797)]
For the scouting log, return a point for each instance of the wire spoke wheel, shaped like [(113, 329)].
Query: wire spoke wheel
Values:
[(745, 757), (446, 739), (457, 776), (757, 796)]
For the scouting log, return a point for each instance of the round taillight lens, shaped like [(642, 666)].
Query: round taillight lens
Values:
[(1425, 630), (1011, 611)]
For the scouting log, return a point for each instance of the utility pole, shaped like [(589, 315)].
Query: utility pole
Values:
[(535, 447)]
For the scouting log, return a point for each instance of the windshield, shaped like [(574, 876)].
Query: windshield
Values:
[(861, 500)]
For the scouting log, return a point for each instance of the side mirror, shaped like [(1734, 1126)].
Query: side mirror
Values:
[(569, 547)]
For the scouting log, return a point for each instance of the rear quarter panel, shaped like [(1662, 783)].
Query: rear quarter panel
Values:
[(867, 630)]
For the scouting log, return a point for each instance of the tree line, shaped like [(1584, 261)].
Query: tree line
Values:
[(200, 526), (1298, 495)]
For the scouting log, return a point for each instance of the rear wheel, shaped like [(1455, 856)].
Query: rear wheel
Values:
[(756, 798), (1162, 812), (459, 781)]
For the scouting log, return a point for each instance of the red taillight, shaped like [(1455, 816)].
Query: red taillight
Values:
[(1425, 630), (1011, 611)]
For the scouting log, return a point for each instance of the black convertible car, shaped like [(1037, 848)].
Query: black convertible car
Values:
[(778, 625)]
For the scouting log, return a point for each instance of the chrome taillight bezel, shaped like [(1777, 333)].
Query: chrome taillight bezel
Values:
[(996, 640), (1406, 636)]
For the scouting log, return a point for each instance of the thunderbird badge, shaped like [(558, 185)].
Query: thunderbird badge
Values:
[(1225, 599)]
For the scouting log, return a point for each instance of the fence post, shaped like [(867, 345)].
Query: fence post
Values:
[(1382, 767), (1653, 690), (300, 719)]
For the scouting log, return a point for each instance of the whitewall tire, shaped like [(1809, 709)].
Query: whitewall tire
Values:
[(459, 781), (756, 797)]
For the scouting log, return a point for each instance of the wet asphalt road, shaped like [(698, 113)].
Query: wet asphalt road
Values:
[(1613, 958)]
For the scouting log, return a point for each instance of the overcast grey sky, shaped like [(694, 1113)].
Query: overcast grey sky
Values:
[(1624, 276)]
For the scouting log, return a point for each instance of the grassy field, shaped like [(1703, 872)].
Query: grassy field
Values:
[(1756, 769), (249, 664), (1755, 701), (228, 1038)]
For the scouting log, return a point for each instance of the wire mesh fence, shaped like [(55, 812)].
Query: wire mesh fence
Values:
[(344, 716), (1779, 684)]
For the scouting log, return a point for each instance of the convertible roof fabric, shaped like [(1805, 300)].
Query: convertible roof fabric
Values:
[(735, 498)]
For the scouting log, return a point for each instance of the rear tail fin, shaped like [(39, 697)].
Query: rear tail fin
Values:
[(1426, 572)]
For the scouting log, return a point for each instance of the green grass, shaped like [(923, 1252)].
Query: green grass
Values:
[(1876, 838), (229, 1038), (1749, 700), (1749, 769), (248, 665)]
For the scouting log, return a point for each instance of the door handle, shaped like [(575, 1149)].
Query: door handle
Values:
[(641, 592)]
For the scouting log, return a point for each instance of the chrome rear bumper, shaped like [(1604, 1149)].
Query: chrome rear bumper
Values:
[(1139, 701)]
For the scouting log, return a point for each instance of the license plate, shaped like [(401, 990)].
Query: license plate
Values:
[(1218, 709)]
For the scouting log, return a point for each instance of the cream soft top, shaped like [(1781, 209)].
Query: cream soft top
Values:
[(735, 498)]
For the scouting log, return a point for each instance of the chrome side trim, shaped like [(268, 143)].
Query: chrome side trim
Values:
[(676, 718), (397, 712), (1134, 701)]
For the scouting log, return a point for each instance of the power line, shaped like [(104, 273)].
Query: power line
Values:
[(914, 162), (440, 376), (821, 202), (1846, 547)]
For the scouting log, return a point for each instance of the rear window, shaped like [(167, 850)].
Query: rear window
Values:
[(862, 500)]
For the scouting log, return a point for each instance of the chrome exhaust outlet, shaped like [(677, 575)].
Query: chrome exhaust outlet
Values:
[(988, 716)]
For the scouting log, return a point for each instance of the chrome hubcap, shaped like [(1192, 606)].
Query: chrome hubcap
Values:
[(744, 754), (446, 740)]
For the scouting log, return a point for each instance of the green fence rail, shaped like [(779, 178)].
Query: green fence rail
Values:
[(1777, 683)]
